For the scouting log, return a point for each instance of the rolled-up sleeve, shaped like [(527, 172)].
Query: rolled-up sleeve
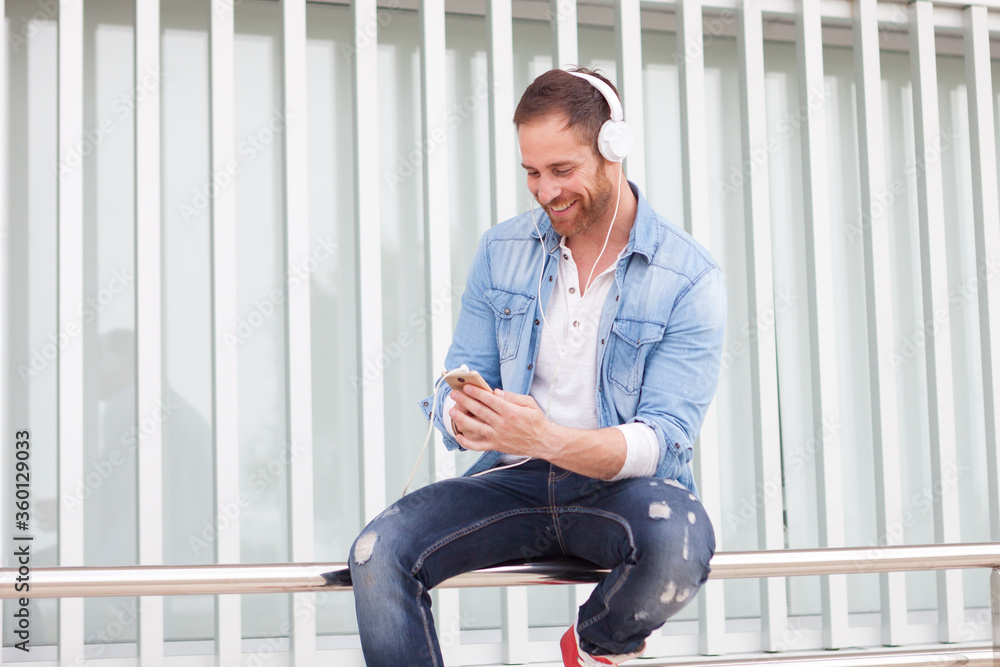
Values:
[(682, 371)]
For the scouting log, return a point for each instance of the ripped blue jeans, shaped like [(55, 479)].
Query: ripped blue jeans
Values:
[(652, 534)]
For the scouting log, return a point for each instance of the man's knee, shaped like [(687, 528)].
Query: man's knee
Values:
[(679, 547), (382, 542), (363, 547)]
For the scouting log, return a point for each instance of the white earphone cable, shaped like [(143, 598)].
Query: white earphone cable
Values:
[(427, 438), (563, 349)]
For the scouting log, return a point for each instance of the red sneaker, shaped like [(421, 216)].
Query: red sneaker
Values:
[(573, 657)]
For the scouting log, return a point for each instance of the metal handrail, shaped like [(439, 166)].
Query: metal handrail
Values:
[(56, 582)]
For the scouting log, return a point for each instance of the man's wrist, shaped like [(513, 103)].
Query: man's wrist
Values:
[(449, 425), (555, 440)]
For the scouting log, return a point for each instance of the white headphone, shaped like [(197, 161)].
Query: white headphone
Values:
[(615, 138)]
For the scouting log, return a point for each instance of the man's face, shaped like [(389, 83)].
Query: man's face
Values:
[(568, 180)]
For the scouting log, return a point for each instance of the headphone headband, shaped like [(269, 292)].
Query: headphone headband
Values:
[(607, 92), (615, 137)]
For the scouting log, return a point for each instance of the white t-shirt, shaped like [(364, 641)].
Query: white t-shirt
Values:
[(566, 370)]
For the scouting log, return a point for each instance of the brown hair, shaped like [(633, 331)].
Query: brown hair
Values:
[(559, 92)]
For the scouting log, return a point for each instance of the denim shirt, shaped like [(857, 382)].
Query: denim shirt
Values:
[(660, 335)]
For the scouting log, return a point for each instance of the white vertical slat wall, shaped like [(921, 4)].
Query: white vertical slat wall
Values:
[(298, 336), (938, 349), (369, 263), (986, 211), (500, 74), (437, 253), (565, 45), (225, 374), (881, 335), (70, 302), (763, 364), (697, 222), (500, 63), (628, 48), (707, 33), (148, 309), (820, 277)]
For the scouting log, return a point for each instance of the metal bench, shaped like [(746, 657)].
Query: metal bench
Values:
[(58, 582)]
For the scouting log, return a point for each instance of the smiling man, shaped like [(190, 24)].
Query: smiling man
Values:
[(599, 325)]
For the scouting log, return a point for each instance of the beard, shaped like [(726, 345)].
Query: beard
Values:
[(589, 212)]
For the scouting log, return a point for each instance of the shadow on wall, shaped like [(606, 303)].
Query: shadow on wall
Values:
[(186, 465)]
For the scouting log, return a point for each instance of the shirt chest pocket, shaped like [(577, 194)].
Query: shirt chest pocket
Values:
[(631, 343), (511, 311)]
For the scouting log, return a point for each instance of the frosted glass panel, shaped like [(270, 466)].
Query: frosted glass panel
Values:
[(405, 369), (111, 438), (911, 372), (737, 528), (261, 279), (337, 381), (188, 466), (33, 328)]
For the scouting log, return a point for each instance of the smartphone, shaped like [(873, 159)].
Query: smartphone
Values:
[(462, 376)]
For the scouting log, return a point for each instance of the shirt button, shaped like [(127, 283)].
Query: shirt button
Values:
[(572, 290), (426, 404), (602, 341), (550, 278), (536, 323), (506, 311), (576, 323), (530, 366), (616, 298), (565, 256)]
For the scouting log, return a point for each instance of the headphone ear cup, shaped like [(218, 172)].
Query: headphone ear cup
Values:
[(615, 140)]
